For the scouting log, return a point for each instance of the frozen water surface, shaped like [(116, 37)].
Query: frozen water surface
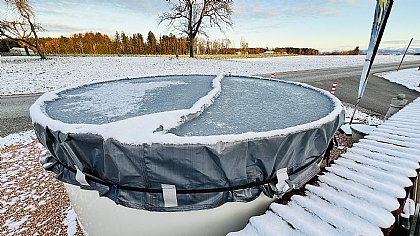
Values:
[(244, 104), (257, 105), (117, 100)]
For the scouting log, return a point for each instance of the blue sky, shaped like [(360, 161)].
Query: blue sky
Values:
[(322, 24)]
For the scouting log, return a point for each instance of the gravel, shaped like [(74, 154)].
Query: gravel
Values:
[(32, 201)]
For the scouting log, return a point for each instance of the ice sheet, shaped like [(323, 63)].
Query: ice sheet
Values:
[(108, 102), (255, 105), (152, 126)]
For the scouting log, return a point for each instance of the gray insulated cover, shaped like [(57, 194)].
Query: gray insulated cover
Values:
[(213, 139)]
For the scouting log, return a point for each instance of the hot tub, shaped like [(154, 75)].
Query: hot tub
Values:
[(187, 145)]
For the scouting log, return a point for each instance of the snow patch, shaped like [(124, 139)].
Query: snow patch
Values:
[(362, 117), (71, 222), (410, 78), (15, 225), (18, 138), (364, 129)]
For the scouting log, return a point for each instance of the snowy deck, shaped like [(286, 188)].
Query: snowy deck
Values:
[(361, 193)]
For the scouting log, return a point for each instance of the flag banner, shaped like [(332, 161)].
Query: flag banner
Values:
[(382, 11)]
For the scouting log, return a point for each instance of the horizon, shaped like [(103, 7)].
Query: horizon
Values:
[(325, 25)]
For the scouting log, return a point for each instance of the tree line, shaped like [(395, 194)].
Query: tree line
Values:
[(120, 43), (355, 51), (185, 16), (137, 44)]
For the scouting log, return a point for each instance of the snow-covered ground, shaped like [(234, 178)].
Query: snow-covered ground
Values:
[(24, 75), (360, 117), (410, 78)]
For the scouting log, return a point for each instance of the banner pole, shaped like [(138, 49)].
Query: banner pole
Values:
[(406, 50), (354, 112)]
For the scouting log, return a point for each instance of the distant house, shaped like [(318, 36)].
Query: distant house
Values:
[(20, 52), (268, 52)]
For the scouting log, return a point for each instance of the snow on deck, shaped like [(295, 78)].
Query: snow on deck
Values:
[(360, 192)]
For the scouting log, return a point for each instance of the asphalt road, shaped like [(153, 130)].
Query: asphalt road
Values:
[(378, 93), (14, 110), (14, 113)]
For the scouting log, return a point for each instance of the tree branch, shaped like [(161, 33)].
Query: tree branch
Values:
[(188, 16)]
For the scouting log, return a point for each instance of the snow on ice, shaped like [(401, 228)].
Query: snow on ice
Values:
[(126, 131)]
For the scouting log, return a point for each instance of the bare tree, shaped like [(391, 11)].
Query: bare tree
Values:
[(244, 46), (189, 16), (24, 28)]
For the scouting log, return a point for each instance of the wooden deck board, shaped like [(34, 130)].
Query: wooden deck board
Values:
[(361, 193)]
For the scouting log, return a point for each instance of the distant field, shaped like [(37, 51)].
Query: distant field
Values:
[(203, 56), (26, 75)]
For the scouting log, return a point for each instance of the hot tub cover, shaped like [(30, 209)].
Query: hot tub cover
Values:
[(185, 142)]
